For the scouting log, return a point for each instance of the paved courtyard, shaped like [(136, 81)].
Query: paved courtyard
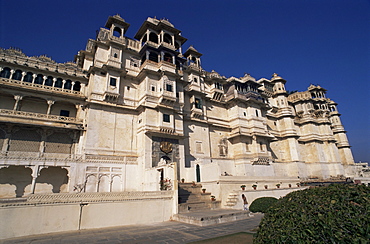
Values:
[(165, 232)]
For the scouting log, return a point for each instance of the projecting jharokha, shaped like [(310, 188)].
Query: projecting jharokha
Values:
[(136, 115)]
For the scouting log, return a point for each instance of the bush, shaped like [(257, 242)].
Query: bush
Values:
[(262, 204), (333, 214)]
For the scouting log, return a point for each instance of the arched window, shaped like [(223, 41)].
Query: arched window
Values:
[(59, 83), (5, 73), (28, 77), (153, 37), (49, 81), (39, 79), (68, 85), (153, 57), (167, 57), (117, 32), (77, 86), (17, 75), (167, 38)]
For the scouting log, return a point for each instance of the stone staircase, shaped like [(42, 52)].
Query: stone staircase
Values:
[(191, 198), (197, 208)]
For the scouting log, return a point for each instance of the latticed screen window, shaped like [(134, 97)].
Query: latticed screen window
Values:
[(58, 143), (25, 140)]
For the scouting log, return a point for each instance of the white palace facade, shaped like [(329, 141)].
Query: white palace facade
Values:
[(130, 113)]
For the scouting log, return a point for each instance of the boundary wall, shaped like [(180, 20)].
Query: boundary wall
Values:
[(47, 213)]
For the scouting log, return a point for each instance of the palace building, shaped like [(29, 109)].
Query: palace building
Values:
[(139, 114)]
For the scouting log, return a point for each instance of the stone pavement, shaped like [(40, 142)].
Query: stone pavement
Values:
[(165, 232)]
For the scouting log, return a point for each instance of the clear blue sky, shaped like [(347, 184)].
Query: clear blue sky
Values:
[(305, 41)]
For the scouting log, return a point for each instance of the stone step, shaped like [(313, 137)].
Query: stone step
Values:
[(211, 217)]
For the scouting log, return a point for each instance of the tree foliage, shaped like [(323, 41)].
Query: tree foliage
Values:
[(262, 204), (333, 214)]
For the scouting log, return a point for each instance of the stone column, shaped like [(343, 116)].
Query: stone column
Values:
[(35, 174), (17, 99), (50, 102)]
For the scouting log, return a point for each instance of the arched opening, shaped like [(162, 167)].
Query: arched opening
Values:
[(91, 183), (17, 75), (77, 86), (5, 73), (33, 105), (153, 37), (144, 39), (52, 179), (153, 57), (68, 85), (177, 45), (197, 169), (28, 77), (117, 32), (39, 79), (167, 38), (59, 83), (194, 60), (14, 180), (49, 81), (167, 57), (103, 184)]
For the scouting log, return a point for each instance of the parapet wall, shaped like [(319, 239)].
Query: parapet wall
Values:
[(46, 213)]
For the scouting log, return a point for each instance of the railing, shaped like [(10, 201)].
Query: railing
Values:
[(19, 155), (23, 84), (32, 115), (64, 68)]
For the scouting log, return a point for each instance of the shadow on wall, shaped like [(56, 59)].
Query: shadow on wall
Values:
[(19, 176), (55, 176), (52, 179)]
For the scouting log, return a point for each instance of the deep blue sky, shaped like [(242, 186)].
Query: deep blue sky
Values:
[(305, 41)]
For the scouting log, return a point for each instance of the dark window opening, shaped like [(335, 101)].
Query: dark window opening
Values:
[(17, 75), (39, 79), (113, 81), (49, 81), (153, 88), (167, 57), (166, 118), (167, 38), (177, 46), (128, 88), (64, 113), (195, 80), (77, 86), (5, 73), (117, 32), (68, 85), (115, 55), (153, 57), (198, 103), (257, 113), (153, 37), (28, 77), (59, 83), (169, 87)]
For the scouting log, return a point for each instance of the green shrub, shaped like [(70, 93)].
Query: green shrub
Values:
[(333, 214), (262, 204)]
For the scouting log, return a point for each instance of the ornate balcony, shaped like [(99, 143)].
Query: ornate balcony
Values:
[(41, 119)]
